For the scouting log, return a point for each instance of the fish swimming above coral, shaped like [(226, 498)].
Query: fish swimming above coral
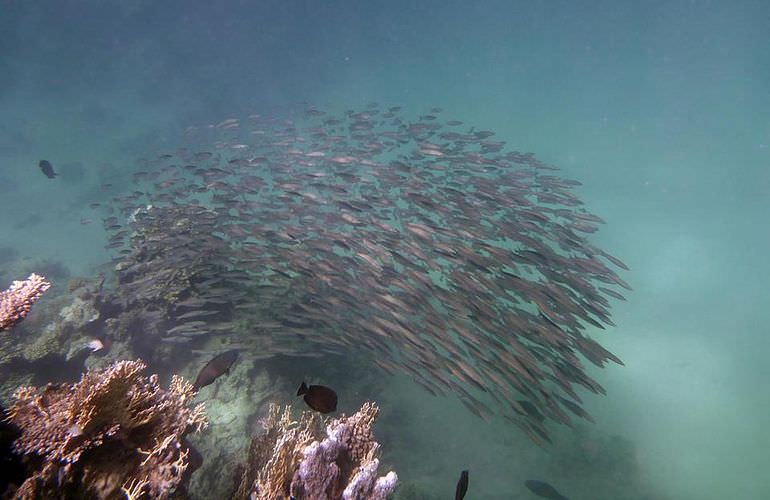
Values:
[(319, 397), (215, 368)]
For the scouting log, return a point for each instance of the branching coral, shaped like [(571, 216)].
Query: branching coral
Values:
[(291, 459), (275, 454), (16, 302), (114, 433)]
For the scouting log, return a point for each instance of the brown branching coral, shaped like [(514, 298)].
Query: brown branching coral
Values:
[(292, 459), (116, 433), (17, 300), (275, 454)]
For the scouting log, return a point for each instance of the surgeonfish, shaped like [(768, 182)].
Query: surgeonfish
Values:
[(319, 397), (217, 366)]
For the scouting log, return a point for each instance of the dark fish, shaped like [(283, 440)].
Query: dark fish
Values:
[(543, 489), (47, 169), (462, 486), (219, 365), (319, 397)]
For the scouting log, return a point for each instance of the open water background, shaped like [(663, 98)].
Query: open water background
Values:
[(660, 108)]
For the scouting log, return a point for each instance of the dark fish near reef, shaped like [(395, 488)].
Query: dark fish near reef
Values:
[(47, 169), (544, 490), (462, 486), (319, 397), (219, 365)]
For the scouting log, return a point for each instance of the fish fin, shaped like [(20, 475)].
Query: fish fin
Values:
[(302, 389)]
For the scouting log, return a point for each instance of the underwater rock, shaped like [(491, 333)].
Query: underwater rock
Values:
[(49, 342), (79, 312), (64, 335), (231, 404)]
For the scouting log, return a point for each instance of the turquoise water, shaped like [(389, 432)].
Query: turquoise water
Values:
[(658, 108)]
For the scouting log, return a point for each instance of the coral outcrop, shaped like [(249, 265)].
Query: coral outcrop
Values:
[(114, 434), (292, 459), (17, 300), (234, 403)]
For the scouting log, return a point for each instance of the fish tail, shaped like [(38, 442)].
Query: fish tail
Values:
[(302, 389)]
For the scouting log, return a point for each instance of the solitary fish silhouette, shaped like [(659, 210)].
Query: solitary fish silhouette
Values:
[(319, 397), (214, 368), (544, 490), (462, 486), (47, 169)]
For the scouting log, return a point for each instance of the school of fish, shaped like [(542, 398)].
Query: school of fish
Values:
[(420, 243)]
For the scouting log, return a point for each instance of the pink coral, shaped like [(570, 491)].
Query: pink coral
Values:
[(16, 302)]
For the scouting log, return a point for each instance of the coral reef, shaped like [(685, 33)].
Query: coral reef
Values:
[(51, 345), (275, 454), (234, 404), (113, 434), (291, 459), (16, 302), (62, 331), (12, 470)]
